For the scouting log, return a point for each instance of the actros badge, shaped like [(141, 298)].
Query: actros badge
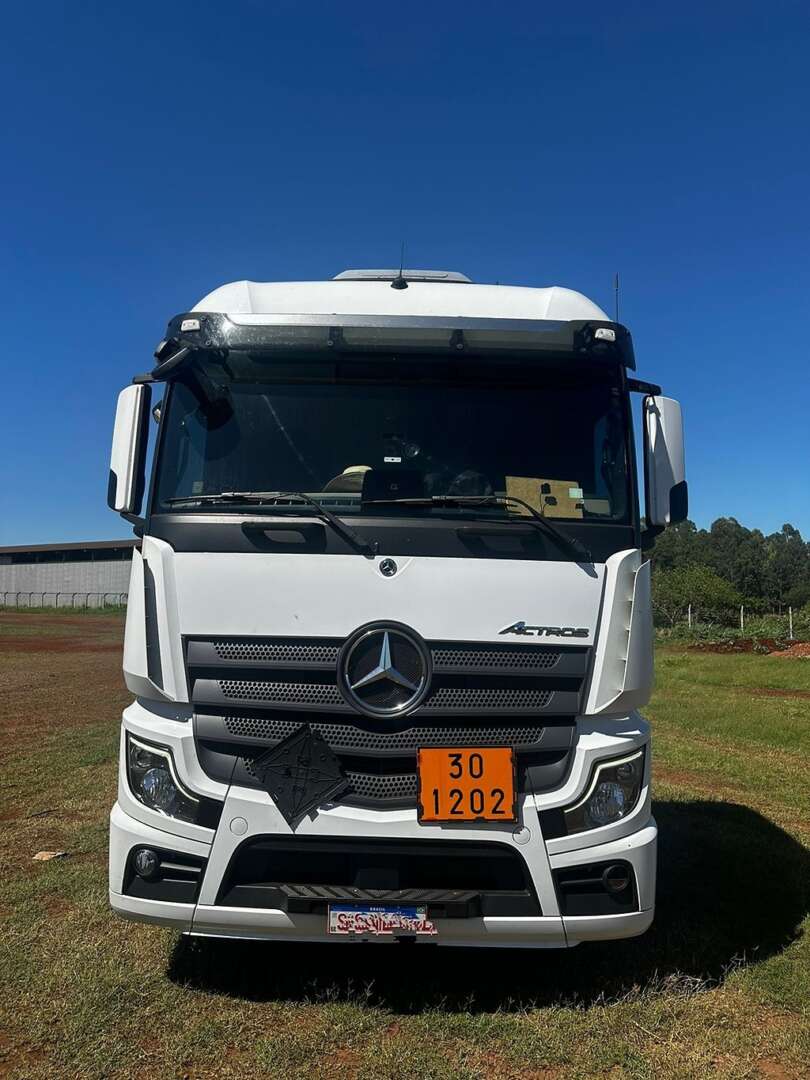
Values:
[(523, 629)]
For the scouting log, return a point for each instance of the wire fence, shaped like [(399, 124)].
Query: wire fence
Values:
[(699, 622), (77, 600), (745, 617)]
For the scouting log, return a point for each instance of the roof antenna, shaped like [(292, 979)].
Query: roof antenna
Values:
[(399, 281), (616, 293)]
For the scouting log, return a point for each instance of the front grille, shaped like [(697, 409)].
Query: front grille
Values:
[(379, 757), (445, 699), (493, 658), (348, 738), (250, 693), (368, 788), (382, 788), (469, 699), (307, 652), (280, 693)]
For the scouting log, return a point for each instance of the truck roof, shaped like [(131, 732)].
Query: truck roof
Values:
[(444, 293)]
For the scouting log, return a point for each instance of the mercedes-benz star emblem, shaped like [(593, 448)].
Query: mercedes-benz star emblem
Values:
[(384, 670)]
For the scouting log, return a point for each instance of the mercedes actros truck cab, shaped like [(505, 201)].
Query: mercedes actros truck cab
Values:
[(389, 626)]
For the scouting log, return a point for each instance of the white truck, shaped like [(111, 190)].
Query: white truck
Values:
[(389, 626)]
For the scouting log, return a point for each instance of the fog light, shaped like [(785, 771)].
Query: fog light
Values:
[(146, 863), (616, 878)]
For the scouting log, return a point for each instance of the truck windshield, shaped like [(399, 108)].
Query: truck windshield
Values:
[(365, 437)]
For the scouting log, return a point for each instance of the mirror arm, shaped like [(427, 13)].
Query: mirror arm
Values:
[(638, 386), (166, 364), (138, 523), (648, 535)]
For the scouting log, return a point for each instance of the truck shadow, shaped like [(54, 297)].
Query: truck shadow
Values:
[(732, 890)]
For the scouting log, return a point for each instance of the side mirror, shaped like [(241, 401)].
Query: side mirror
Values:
[(128, 457), (664, 470)]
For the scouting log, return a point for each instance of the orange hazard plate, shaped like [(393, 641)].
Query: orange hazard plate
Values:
[(458, 784)]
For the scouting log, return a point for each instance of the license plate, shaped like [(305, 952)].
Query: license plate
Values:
[(379, 919), (460, 784)]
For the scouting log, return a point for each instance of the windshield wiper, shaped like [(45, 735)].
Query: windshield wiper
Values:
[(269, 498), (543, 523)]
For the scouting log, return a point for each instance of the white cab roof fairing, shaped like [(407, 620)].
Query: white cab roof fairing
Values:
[(247, 301)]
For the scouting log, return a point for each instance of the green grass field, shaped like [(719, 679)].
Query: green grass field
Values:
[(719, 986)]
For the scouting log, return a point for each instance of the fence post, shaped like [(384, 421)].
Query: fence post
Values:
[(742, 617), (790, 622), (689, 616)]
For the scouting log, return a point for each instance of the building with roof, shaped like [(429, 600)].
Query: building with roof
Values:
[(90, 574)]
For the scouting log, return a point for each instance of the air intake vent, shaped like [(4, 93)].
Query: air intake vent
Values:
[(154, 667)]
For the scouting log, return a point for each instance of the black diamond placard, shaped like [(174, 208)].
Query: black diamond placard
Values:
[(300, 773)]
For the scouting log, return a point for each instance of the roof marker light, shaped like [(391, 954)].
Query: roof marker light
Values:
[(604, 333)]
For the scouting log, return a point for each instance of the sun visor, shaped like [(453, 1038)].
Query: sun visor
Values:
[(601, 342)]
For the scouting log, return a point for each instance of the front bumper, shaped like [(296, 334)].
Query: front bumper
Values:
[(249, 813), (549, 930)]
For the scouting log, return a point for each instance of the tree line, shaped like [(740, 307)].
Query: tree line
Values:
[(718, 569)]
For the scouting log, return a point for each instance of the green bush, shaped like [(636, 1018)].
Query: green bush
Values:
[(712, 598)]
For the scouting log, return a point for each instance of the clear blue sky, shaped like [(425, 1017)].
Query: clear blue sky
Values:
[(155, 150)]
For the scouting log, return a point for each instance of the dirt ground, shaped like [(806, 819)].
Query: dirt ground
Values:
[(799, 651), (740, 645), (72, 689), (719, 987)]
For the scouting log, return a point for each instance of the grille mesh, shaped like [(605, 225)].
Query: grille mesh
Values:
[(469, 657), (451, 697), (295, 652), (349, 737), (484, 658), (380, 787), (443, 697), (383, 787), (297, 693)]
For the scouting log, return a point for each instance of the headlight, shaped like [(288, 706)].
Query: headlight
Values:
[(614, 791), (154, 782)]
